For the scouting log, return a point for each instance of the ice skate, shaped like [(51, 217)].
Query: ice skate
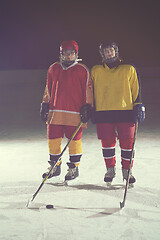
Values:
[(56, 171), (73, 172), (110, 174), (132, 179)]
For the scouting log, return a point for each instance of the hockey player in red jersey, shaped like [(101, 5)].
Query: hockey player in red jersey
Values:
[(118, 106), (68, 90)]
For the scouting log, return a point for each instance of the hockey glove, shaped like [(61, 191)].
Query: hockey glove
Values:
[(85, 112), (139, 113), (44, 111)]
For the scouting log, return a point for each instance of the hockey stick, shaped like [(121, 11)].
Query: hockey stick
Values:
[(45, 179), (130, 163)]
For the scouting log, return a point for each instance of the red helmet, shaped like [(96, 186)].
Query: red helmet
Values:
[(71, 44)]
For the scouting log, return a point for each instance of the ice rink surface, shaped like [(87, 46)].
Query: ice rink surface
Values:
[(85, 209)]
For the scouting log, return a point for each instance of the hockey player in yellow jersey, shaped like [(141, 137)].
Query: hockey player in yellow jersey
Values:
[(118, 106)]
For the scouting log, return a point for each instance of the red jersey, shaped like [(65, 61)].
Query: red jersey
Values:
[(67, 90)]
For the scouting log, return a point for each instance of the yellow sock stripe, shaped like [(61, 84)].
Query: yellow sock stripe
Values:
[(76, 164), (75, 147), (54, 146)]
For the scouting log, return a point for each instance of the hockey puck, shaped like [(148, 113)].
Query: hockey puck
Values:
[(49, 206)]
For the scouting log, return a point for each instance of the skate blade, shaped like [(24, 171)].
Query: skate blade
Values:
[(60, 183), (63, 183), (55, 179), (109, 184), (73, 181)]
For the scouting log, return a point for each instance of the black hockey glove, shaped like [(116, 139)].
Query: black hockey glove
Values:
[(44, 111), (139, 113), (85, 112)]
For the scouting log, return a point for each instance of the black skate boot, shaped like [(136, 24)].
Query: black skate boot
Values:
[(131, 177), (110, 174), (56, 171), (73, 172)]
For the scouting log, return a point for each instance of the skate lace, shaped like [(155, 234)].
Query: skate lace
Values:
[(110, 173), (53, 170), (71, 171)]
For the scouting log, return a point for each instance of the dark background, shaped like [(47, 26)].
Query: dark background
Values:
[(31, 31), (30, 35)]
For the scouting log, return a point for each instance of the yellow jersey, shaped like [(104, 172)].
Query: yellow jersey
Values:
[(116, 91)]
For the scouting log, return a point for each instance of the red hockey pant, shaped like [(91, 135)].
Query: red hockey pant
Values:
[(55, 133), (108, 133)]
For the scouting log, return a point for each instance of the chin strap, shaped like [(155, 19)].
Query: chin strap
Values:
[(114, 64), (69, 63)]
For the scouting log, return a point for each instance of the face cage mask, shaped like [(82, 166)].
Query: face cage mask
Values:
[(109, 60), (68, 63)]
